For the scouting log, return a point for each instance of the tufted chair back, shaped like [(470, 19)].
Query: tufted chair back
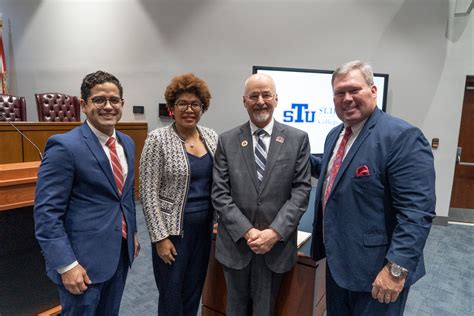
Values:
[(12, 108), (58, 107)]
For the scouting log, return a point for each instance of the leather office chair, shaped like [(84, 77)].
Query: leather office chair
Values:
[(12, 108), (58, 107)]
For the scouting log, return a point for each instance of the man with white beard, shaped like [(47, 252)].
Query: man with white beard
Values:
[(260, 191)]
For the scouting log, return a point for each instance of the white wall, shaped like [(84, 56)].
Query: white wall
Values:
[(52, 44)]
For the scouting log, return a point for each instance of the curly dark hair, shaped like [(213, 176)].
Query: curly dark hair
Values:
[(96, 78), (187, 83)]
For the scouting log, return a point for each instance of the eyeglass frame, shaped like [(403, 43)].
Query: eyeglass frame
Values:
[(107, 100), (254, 97), (189, 105)]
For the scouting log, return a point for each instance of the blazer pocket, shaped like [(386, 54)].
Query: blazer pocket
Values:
[(361, 179), (368, 186), (166, 204), (371, 240)]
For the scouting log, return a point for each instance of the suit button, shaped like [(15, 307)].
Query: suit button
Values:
[(117, 228)]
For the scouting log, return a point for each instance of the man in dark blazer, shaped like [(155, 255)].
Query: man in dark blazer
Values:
[(84, 204), (375, 201), (259, 202)]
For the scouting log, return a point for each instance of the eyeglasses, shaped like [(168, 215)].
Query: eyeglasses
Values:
[(184, 105), (266, 96), (101, 101)]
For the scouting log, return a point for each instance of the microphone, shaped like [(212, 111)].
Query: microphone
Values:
[(4, 118)]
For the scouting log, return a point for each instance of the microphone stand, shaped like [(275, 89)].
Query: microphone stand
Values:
[(3, 118)]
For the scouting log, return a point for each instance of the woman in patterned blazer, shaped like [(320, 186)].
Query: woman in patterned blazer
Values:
[(175, 186)]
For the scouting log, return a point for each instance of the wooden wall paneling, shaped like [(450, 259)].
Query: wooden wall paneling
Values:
[(297, 289), (14, 148), (10, 147), (214, 294), (39, 134), (138, 134), (206, 311), (39, 138), (302, 290)]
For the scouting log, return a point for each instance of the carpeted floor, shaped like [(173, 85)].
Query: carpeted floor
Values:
[(447, 289)]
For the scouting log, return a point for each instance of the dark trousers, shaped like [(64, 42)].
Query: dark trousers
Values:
[(342, 302), (99, 298), (252, 290), (180, 284)]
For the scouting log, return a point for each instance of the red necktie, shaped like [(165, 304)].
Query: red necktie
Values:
[(337, 163), (118, 176)]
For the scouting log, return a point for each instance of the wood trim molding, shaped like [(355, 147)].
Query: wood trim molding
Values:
[(17, 184), (51, 312)]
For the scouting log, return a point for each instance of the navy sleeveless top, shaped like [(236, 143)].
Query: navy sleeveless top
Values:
[(199, 193)]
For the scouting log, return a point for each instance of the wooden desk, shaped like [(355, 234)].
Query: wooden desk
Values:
[(15, 148), (17, 184), (25, 288), (302, 291)]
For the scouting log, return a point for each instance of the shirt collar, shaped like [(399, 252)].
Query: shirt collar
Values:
[(101, 136), (268, 128), (356, 128)]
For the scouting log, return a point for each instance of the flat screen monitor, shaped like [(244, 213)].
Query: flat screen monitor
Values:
[(305, 100)]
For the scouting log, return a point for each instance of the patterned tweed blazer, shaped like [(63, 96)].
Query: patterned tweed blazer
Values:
[(165, 177)]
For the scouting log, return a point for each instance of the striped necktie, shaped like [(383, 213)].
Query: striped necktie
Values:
[(260, 154), (118, 176)]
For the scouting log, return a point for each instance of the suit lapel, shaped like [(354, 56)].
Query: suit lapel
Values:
[(246, 146), (97, 151), (278, 132), (364, 133), (127, 152), (331, 143)]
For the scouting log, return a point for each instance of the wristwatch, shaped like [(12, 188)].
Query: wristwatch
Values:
[(397, 271)]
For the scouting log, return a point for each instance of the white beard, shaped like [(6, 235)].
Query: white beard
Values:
[(261, 117)]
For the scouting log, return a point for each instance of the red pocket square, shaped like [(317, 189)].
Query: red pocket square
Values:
[(362, 171)]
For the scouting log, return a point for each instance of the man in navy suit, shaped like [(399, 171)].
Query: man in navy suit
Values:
[(84, 204), (375, 201)]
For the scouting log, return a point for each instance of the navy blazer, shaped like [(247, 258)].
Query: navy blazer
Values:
[(385, 215), (78, 207)]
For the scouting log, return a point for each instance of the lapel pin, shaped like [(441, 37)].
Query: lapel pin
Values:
[(244, 143), (280, 139)]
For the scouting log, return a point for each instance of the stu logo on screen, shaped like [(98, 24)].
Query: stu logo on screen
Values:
[(301, 114)]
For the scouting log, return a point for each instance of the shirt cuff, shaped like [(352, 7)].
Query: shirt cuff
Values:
[(65, 269)]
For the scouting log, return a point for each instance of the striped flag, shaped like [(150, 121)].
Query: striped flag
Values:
[(3, 64)]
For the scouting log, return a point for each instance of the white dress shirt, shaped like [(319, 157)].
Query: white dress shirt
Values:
[(266, 138), (118, 147)]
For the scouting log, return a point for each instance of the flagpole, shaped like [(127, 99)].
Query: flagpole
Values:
[(3, 64)]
